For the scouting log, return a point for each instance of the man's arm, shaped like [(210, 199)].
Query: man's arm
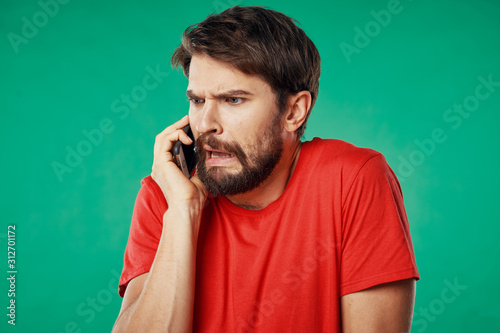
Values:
[(162, 300), (386, 308)]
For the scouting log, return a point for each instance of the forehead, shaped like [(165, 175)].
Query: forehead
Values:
[(209, 75)]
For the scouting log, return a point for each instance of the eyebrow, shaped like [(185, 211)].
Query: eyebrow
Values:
[(223, 95)]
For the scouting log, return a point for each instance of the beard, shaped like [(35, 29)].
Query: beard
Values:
[(257, 163)]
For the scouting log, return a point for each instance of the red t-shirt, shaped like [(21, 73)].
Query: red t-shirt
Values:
[(339, 227)]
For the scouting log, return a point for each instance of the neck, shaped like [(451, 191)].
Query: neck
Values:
[(272, 188)]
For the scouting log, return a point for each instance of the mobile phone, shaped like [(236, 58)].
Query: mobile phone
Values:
[(185, 156)]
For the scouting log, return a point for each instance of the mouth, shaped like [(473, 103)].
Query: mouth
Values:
[(215, 157)]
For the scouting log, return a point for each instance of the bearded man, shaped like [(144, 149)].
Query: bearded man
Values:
[(271, 234)]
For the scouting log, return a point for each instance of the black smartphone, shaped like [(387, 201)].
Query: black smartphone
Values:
[(185, 156)]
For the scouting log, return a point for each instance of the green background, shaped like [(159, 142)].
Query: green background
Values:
[(71, 230)]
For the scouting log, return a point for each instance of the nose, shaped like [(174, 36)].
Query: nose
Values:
[(208, 118)]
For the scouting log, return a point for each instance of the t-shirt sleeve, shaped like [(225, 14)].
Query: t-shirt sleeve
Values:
[(145, 232), (376, 242)]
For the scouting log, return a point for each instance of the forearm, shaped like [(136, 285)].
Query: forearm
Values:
[(167, 298)]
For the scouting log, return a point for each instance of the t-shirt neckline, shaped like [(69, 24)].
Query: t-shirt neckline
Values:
[(225, 203)]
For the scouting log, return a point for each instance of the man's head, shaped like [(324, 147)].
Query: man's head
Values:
[(239, 129), (253, 78), (260, 42)]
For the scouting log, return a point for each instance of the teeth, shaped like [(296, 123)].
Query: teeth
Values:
[(212, 155)]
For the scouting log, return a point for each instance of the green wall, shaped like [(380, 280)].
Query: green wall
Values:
[(68, 72)]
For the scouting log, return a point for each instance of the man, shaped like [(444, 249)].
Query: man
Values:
[(271, 234)]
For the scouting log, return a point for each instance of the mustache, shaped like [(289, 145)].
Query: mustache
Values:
[(210, 140)]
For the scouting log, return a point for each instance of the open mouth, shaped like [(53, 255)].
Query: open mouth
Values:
[(219, 154), (218, 157)]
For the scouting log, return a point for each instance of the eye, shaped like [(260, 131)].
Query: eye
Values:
[(235, 100), (196, 100)]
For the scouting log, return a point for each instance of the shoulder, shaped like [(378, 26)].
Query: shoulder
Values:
[(150, 186), (343, 164), (338, 154), (150, 197)]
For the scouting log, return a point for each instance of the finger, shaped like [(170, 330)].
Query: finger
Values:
[(166, 143), (184, 138)]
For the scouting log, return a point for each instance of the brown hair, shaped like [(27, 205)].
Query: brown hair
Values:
[(257, 41)]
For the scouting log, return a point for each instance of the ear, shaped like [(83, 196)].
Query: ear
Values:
[(297, 107)]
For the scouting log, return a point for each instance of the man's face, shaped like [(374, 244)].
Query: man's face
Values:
[(237, 124)]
